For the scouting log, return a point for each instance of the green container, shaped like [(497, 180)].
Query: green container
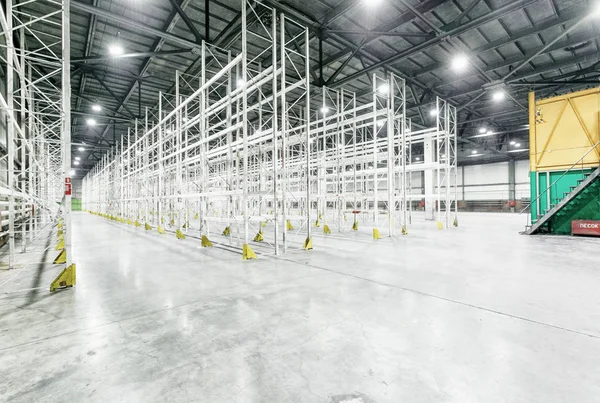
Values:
[(75, 204), (586, 206)]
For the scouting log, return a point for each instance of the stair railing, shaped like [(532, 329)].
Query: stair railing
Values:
[(580, 160)]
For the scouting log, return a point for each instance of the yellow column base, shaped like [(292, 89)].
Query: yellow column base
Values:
[(376, 234), (206, 243), (61, 258), (455, 223), (289, 225), (308, 244), (66, 278), (227, 231), (179, 234), (259, 237), (440, 225), (161, 230), (247, 252), (355, 226), (404, 231), (148, 227), (326, 229), (61, 245)]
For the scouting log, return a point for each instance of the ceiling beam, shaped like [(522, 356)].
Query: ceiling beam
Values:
[(475, 23), (100, 12)]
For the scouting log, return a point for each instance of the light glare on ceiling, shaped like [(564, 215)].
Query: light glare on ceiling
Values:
[(96, 108), (115, 49), (72, 172), (324, 110), (482, 130), (91, 122), (498, 96), (460, 63), (81, 149), (433, 112), (76, 162), (372, 3)]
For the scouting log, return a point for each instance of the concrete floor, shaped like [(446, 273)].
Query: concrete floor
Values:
[(473, 314)]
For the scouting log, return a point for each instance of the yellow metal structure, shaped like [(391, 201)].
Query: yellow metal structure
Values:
[(66, 278), (259, 237), (61, 258), (562, 129), (376, 234), (206, 243), (247, 252), (61, 245)]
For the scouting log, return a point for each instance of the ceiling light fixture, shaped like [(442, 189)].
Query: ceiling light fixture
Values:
[(518, 145), (512, 143), (498, 96), (72, 172), (383, 89), (81, 149), (96, 108), (474, 152), (77, 158), (417, 159), (372, 3), (115, 49), (76, 162), (460, 63), (324, 110), (482, 130), (91, 122), (433, 112), (240, 82)]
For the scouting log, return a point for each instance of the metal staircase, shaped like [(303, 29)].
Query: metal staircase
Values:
[(568, 197)]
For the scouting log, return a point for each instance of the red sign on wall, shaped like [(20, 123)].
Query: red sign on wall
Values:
[(585, 227), (68, 187)]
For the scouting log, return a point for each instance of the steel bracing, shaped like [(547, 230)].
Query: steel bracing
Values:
[(35, 104), (245, 151)]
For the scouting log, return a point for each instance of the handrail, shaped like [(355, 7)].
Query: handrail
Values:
[(560, 177)]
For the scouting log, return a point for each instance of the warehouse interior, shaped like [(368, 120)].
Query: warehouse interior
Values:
[(339, 201)]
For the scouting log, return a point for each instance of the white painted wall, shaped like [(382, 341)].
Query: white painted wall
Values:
[(490, 181)]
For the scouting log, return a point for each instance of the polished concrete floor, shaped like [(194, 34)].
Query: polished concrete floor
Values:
[(473, 314)]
